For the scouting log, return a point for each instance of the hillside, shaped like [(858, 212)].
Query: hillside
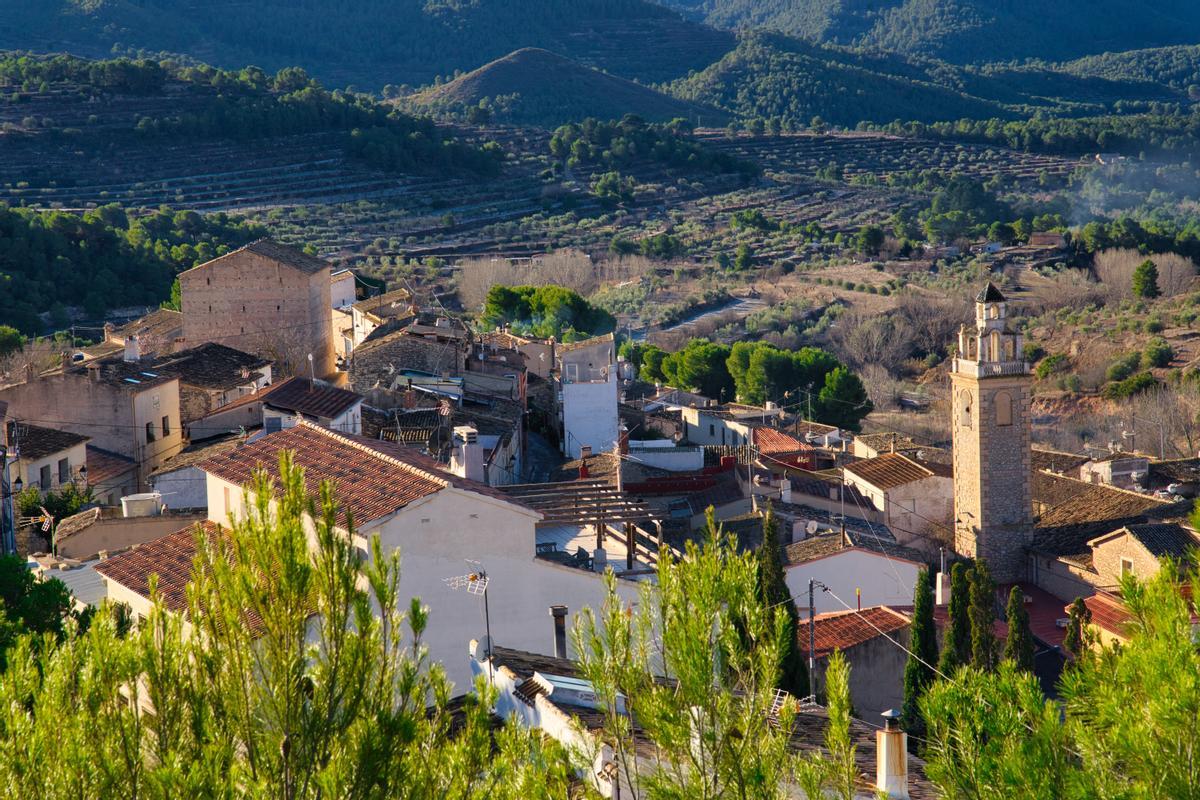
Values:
[(536, 87), (792, 80), (966, 31), (371, 43)]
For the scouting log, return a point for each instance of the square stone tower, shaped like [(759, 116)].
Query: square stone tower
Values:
[(990, 408)]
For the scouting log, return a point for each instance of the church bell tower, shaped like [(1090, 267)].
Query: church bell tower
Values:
[(991, 394)]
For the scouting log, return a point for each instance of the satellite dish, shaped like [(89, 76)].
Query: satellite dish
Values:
[(811, 527)]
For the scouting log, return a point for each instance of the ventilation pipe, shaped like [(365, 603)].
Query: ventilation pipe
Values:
[(559, 613)]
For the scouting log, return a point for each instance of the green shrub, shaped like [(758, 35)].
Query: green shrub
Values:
[(1123, 367), (1049, 365), (1033, 352), (1134, 384), (1157, 354), (1154, 325)]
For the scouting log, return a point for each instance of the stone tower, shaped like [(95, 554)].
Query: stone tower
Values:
[(990, 409)]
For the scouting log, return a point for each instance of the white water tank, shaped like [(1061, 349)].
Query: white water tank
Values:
[(145, 504)]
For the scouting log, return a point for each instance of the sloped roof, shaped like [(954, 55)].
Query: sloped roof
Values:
[(169, 557), (1065, 529), (198, 452), (104, 466), (36, 442), (1163, 540), (371, 479), (890, 470), (210, 366), (841, 630), (285, 254), (304, 396), (989, 294), (827, 544), (1057, 461), (771, 440)]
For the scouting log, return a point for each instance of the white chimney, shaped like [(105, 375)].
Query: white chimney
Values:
[(891, 758), (133, 350), (466, 460), (941, 589)]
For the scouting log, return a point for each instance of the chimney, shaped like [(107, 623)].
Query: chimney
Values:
[(893, 442), (133, 350), (623, 441), (891, 758), (559, 613), (585, 451), (466, 460), (941, 589)]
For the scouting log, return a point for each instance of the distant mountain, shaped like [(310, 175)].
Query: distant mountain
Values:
[(967, 31), (792, 80), (537, 87), (371, 43)]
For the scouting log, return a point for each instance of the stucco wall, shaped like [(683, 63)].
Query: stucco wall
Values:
[(120, 533), (30, 470), (254, 303), (883, 581), (182, 488), (876, 674), (701, 428), (589, 416)]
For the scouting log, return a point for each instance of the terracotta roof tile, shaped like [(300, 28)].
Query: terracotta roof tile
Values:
[(169, 557), (36, 442), (305, 396), (291, 256), (841, 630), (371, 478), (770, 440), (103, 466), (1065, 529), (890, 470)]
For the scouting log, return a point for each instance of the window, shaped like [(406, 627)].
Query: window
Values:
[(64, 470), (227, 508), (44, 478), (1004, 409), (149, 432), (166, 426), (964, 400), (712, 429), (1126, 567)]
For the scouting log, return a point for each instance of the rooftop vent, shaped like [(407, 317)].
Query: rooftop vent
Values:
[(572, 691)]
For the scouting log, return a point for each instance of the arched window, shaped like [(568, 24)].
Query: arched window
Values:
[(964, 409), (1004, 409)]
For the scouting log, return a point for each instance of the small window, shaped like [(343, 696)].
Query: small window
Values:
[(44, 478), (166, 425), (64, 470), (1004, 409), (712, 430), (208, 281), (149, 432), (964, 400), (227, 508), (1126, 567)]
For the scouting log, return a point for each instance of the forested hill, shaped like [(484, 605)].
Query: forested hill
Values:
[(771, 76), (537, 87), (967, 31), (371, 43)]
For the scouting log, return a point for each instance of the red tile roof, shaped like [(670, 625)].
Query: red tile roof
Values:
[(1044, 612), (103, 466), (169, 557), (770, 440), (893, 469), (841, 630), (371, 479), (305, 396)]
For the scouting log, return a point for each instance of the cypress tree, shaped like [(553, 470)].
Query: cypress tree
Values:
[(918, 672), (772, 587), (983, 615), (956, 649), (1018, 647), (1145, 280), (1078, 619)]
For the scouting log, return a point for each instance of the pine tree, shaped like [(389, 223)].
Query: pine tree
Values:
[(1145, 280), (983, 617), (1018, 647), (918, 672), (773, 591), (956, 649), (1079, 617)]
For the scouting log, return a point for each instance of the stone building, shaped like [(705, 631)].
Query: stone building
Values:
[(265, 298), (990, 420)]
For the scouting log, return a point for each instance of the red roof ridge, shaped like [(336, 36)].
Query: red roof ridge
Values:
[(358, 445)]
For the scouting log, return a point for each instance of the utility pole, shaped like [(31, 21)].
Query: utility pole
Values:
[(812, 642), (8, 535)]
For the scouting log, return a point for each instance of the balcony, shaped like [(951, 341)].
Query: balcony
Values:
[(990, 369)]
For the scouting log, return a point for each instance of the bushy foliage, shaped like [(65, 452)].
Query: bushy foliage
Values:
[(611, 145), (1056, 362), (30, 606), (1145, 280), (1134, 384), (103, 257), (545, 311)]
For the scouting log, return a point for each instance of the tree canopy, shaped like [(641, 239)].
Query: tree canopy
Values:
[(546, 311)]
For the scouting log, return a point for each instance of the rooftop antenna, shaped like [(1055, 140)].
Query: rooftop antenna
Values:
[(311, 372), (476, 582)]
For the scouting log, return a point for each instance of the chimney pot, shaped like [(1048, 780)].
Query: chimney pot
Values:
[(559, 613), (891, 758)]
